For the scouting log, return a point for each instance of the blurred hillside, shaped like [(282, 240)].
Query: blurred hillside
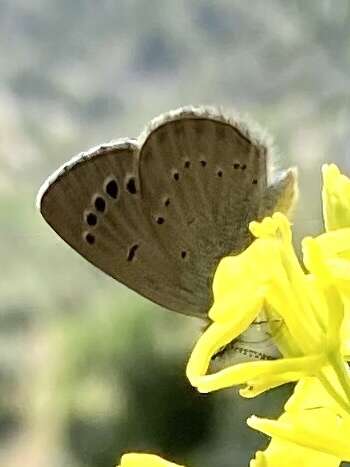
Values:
[(87, 368)]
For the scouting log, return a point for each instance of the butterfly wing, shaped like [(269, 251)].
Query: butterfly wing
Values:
[(158, 213), (204, 178), (94, 203)]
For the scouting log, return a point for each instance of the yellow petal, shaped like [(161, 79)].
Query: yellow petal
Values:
[(213, 339), (281, 453), (263, 371), (236, 281), (244, 302), (319, 429), (313, 427), (335, 248), (335, 243), (134, 459), (336, 198), (310, 393)]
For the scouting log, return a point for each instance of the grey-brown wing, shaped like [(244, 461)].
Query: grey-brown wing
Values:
[(159, 212), (204, 177), (94, 203)]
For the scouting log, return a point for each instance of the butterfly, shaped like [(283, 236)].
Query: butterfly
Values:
[(158, 212)]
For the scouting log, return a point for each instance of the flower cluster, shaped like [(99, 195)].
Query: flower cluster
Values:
[(308, 308)]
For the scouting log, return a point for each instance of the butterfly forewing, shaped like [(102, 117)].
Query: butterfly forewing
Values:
[(159, 212), (94, 204)]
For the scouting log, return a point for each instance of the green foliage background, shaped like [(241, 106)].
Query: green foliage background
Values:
[(88, 369)]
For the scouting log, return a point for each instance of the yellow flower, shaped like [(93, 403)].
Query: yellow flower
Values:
[(308, 310), (133, 459), (309, 305), (311, 431), (312, 312)]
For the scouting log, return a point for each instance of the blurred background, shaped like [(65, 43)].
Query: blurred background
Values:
[(88, 369)]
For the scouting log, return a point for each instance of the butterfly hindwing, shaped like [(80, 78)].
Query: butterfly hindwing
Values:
[(204, 178)]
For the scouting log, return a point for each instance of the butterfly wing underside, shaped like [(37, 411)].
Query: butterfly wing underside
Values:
[(158, 213)]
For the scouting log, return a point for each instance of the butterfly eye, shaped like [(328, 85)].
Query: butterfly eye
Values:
[(112, 189)]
